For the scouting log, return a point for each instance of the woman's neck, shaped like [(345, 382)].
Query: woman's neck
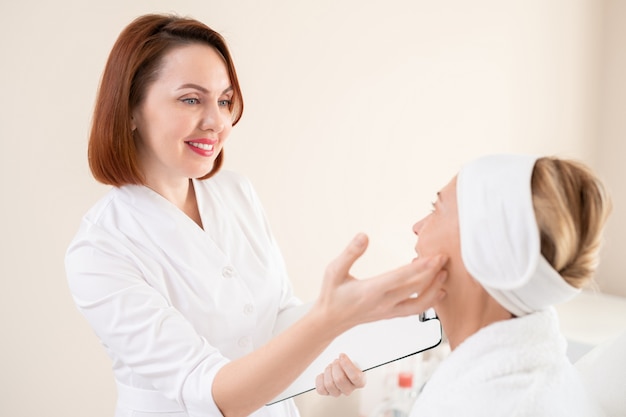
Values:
[(182, 196), (475, 311)]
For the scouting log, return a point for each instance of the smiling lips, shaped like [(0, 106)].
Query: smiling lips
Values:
[(204, 147)]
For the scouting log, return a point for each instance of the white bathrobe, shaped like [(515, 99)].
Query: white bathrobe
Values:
[(515, 367)]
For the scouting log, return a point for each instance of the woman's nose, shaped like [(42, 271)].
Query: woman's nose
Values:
[(417, 227), (212, 119)]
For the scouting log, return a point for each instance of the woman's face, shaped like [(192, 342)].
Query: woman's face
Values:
[(185, 117), (438, 232), (467, 306)]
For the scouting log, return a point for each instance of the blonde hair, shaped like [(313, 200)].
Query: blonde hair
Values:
[(571, 207)]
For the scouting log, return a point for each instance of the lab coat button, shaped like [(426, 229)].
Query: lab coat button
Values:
[(244, 341), (228, 272), (248, 309)]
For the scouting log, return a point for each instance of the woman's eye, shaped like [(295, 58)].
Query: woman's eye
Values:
[(225, 103), (190, 100)]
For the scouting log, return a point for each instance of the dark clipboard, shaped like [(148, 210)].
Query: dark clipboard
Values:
[(368, 345)]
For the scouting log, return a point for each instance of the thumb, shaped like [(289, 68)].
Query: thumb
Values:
[(340, 267)]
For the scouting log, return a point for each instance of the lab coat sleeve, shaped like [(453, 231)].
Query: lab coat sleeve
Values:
[(137, 325)]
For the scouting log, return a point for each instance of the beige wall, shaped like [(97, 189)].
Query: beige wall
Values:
[(611, 141), (356, 113)]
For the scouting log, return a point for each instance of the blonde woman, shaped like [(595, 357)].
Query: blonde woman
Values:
[(521, 234)]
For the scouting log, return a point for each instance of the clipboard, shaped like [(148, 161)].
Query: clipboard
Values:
[(368, 345)]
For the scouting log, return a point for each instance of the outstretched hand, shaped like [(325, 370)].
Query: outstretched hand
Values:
[(409, 289)]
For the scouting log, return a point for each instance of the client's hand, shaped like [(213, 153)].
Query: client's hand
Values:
[(340, 377)]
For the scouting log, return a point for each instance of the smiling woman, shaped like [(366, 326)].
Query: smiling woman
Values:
[(144, 48), (180, 126), (176, 268)]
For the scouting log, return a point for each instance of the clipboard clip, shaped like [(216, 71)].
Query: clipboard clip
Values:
[(429, 314)]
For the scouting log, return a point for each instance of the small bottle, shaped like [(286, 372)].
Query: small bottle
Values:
[(406, 396), (399, 405)]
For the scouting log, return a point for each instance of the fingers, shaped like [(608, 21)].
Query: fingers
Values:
[(345, 301), (356, 377), (320, 387), (340, 267), (410, 289), (413, 278), (426, 299), (324, 384), (340, 377)]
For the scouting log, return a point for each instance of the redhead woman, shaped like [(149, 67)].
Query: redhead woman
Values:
[(176, 269)]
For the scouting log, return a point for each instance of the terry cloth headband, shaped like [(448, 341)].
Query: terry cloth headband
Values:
[(500, 242)]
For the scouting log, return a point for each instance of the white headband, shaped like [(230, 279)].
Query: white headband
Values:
[(500, 242)]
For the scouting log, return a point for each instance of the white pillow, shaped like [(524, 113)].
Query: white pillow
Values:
[(603, 369)]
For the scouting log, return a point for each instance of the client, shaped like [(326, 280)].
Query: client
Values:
[(522, 234)]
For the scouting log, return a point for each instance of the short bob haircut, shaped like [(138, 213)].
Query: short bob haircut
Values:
[(132, 66)]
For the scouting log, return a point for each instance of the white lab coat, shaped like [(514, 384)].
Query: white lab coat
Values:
[(511, 368), (173, 303)]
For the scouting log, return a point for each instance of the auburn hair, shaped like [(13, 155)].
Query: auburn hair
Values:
[(571, 207), (133, 64)]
